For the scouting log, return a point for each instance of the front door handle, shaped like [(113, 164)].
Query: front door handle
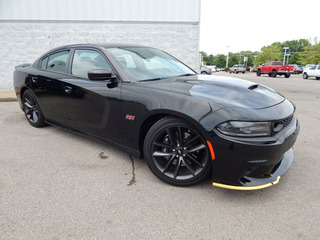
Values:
[(68, 89)]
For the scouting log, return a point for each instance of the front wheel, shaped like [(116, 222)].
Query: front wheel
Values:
[(32, 109), (258, 73), (274, 73), (176, 152), (305, 75)]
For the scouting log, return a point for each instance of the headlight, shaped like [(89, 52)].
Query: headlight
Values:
[(245, 129)]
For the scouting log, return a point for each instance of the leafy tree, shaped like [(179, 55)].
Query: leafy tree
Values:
[(310, 55), (221, 61), (270, 53)]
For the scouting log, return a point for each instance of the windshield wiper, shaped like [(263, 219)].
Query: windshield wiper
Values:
[(187, 74), (151, 79)]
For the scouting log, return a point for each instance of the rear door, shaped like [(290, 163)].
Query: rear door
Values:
[(90, 104), (48, 87)]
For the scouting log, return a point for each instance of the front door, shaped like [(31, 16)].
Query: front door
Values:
[(89, 103)]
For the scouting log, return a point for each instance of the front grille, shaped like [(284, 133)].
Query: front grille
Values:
[(277, 126)]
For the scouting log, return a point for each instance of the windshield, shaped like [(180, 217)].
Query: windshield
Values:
[(143, 64)]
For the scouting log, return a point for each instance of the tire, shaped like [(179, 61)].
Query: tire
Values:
[(274, 73), (176, 152), (32, 109), (236, 72), (258, 72), (203, 72), (269, 74), (317, 78), (305, 75), (287, 75), (243, 72)]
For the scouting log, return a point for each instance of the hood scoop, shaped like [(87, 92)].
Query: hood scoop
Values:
[(253, 86)]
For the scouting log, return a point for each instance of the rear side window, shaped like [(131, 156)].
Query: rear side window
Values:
[(44, 63), (57, 62)]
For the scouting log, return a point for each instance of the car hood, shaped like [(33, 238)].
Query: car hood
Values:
[(220, 91)]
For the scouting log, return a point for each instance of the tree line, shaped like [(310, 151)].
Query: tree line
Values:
[(300, 51)]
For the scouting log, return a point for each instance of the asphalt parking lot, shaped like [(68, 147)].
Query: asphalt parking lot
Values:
[(59, 185)]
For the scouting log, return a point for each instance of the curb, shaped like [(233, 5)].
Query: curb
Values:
[(8, 96)]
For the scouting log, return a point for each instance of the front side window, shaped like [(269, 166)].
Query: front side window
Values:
[(87, 60), (141, 64), (58, 62)]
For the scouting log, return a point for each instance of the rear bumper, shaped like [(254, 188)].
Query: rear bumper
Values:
[(244, 165), (285, 71)]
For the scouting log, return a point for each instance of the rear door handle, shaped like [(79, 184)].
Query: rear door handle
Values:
[(68, 89)]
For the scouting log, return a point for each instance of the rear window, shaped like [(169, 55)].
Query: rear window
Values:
[(277, 64), (58, 62)]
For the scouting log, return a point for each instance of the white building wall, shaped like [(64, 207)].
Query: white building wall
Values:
[(24, 37)]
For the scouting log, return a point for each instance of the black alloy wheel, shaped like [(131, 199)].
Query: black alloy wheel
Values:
[(258, 73), (176, 153), (31, 109)]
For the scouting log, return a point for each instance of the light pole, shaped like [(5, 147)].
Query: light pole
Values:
[(285, 54), (254, 65), (227, 56)]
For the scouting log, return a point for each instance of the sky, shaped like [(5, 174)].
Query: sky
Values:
[(240, 25)]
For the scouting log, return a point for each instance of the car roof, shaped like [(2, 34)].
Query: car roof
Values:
[(103, 45)]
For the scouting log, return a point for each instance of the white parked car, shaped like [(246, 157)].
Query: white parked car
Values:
[(212, 68), (312, 72)]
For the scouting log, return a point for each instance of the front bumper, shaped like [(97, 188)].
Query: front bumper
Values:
[(253, 164)]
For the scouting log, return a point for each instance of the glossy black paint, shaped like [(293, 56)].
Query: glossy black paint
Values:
[(99, 109)]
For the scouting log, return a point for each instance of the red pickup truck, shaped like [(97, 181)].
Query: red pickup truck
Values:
[(274, 68)]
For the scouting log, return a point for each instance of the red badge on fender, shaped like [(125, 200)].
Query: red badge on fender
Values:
[(130, 117)]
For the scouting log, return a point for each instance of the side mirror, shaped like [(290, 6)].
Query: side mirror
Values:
[(99, 75)]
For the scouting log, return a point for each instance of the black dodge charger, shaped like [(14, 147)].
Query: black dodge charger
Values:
[(146, 102)]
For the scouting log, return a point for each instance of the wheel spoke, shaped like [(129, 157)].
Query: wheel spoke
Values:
[(197, 148), (190, 168), (27, 104), (177, 168), (171, 138), (191, 140), (168, 164), (194, 160), (180, 135), (34, 117), (162, 145), (162, 154)]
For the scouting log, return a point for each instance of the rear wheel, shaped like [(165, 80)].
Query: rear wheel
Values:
[(274, 73), (317, 78), (258, 73), (287, 75), (176, 152), (305, 75), (32, 109)]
